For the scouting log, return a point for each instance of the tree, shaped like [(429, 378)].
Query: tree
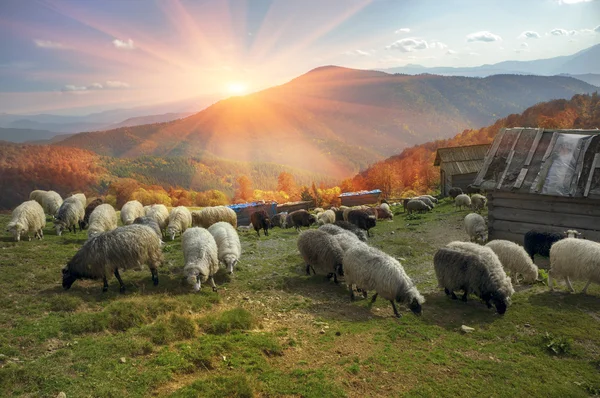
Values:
[(244, 190), (286, 183), (306, 196), (316, 195)]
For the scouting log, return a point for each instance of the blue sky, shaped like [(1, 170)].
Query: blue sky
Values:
[(78, 56)]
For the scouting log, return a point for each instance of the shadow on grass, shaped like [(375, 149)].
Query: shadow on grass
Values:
[(562, 300), (442, 311)]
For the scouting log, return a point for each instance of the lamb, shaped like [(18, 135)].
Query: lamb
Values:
[(228, 244), (515, 260), (360, 234), (476, 228), (300, 218), (160, 214), (88, 210), (454, 192), (539, 242), (575, 258), (200, 254), (130, 211), (69, 215), (474, 269), (51, 202), (180, 219), (103, 219), (362, 220), (279, 220), (384, 212), (372, 269), (210, 215), (478, 202), (150, 223), (260, 220), (417, 205), (321, 253), (426, 200), (327, 217), (126, 247), (37, 195), (462, 200), (27, 217)]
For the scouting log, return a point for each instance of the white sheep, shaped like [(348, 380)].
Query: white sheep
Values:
[(321, 253), (425, 199), (210, 215), (476, 228), (575, 258), (326, 217), (70, 215), (372, 269), (384, 212), (51, 202), (432, 198), (478, 202), (160, 214), (37, 195), (462, 200), (228, 244), (130, 211), (514, 259), (103, 219), (200, 254), (81, 198), (417, 205), (27, 218), (180, 219)]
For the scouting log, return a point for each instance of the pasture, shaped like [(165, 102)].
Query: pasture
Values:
[(273, 331)]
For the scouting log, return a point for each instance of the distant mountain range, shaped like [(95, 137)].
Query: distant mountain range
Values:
[(578, 65), (335, 119)]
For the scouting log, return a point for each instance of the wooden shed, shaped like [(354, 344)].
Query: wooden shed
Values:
[(459, 165), (244, 210), (293, 206), (542, 178), (360, 197)]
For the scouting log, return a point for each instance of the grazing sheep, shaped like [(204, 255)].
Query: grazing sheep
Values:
[(476, 228), (51, 202), (462, 200), (180, 219), (345, 238), (210, 215), (362, 220), (339, 215), (244, 228), (539, 242), (88, 210), (130, 211), (279, 220), (474, 269), (70, 215), (260, 220), (405, 204), (301, 218), (81, 198), (515, 260), (126, 247), (575, 258), (150, 223), (384, 212), (321, 253), (103, 219), (228, 244), (327, 217), (472, 190), (417, 205), (372, 269), (478, 202), (200, 254), (426, 200), (360, 234), (37, 195), (454, 192), (432, 198), (317, 210), (160, 214), (27, 217)]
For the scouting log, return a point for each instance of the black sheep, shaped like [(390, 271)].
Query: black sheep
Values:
[(339, 215), (454, 192), (88, 210), (260, 219), (362, 220), (539, 242), (301, 218)]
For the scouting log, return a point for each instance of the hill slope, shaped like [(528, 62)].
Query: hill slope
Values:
[(23, 135)]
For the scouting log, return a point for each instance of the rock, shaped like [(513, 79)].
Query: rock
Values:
[(246, 298), (466, 329), (527, 325), (61, 395), (322, 331), (393, 232), (338, 333), (123, 360)]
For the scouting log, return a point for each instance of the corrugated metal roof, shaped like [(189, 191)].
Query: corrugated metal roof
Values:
[(460, 153), (375, 191), (466, 167)]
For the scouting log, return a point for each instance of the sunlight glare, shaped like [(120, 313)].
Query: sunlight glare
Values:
[(237, 88)]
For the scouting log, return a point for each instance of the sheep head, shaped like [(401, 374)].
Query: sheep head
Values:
[(68, 277), (571, 233), (415, 307)]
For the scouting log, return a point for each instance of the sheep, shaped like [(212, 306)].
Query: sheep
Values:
[(345, 238), (300, 218), (372, 269), (454, 192), (339, 215), (88, 210), (180, 219), (317, 210), (426, 200), (417, 205), (69, 215), (244, 228), (478, 202), (538, 241), (362, 220), (575, 258), (405, 204), (260, 220), (126, 247), (150, 223), (474, 269), (160, 214), (432, 198), (462, 200), (228, 244), (200, 254), (279, 220), (321, 253), (476, 228), (327, 217), (37, 195), (130, 211), (103, 219), (360, 234), (384, 212), (210, 215), (51, 202), (515, 260), (81, 198), (27, 217)]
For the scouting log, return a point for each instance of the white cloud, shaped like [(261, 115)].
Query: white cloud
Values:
[(529, 34), (49, 44), (438, 44), (95, 86), (524, 45), (573, 1), (484, 36), (597, 29), (587, 31), (71, 88), (402, 30), (473, 53), (116, 84), (563, 32), (359, 53), (451, 52), (123, 45), (408, 45)]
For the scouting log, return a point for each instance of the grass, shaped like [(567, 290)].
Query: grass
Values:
[(273, 331)]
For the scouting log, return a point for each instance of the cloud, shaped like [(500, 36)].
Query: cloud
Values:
[(451, 52), (123, 45), (563, 32), (71, 88), (359, 53), (529, 34), (568, 2), (483, 36), (116, 84), (438, 44), (402, 30), (49, 44), (524, 45), (597, 29), (408, 45), (96, 86)]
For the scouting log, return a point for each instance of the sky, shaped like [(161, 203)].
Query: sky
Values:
[(76, 56)]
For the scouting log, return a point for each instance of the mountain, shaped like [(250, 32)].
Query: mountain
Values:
[(24, 135), (138, 121), (335, 119), (591, 78), (581, 63)]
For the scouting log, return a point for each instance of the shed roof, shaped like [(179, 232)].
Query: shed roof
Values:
[(461, 154), (543, 161)]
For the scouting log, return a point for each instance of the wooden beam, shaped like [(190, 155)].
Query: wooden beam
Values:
[(550, 147), (520, 178), (489, 157), (595, 164), (534, 146)]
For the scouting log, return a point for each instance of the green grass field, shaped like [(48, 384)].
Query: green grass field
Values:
[(272, 331)]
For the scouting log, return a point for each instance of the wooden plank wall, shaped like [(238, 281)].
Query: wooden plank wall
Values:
[(463, 180), (357, 200), (293, 207), (511, 215)]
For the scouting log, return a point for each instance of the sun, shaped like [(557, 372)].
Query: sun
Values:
[(237, 88)]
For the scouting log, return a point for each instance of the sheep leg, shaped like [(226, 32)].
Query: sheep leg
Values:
[(335, 279), (569, 284), (121, 284), (365, 294), (375, 298), (307, 269), (105, 286), (352, 297), (212, 283), (550, 280), (464, 297), (258, 232), (584, 291), (154, 276), (395, 309), (451, 294)]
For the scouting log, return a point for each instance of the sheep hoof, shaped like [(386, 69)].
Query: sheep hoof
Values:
[(215, 289), (454, 296)]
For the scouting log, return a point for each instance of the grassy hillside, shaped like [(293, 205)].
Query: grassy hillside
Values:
[(273, 331)]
